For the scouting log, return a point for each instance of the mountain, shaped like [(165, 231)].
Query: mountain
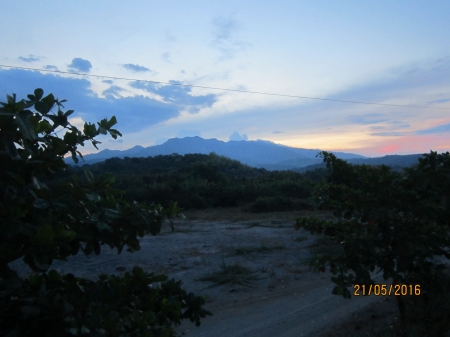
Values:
[(259, 153)]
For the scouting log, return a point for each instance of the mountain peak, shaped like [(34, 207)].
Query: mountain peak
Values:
[(259, 153)]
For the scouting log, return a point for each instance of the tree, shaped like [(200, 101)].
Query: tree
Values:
[(391, 221), (42, 224)]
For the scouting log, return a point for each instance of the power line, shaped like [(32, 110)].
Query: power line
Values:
[(224, 89)]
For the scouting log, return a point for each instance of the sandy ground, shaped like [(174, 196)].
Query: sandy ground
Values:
[(287, 299)]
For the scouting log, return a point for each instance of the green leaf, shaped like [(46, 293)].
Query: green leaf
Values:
[(89, 130), (65, 234), (41, 203), (38, 93), (89, 176), (11, 99), (93, 197), (71, 138), (44, 235), (42, 126), (112, 121), (25, 127), (42, 107)]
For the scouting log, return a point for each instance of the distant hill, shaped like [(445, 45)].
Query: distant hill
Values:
[(259, 153), (396, 162)]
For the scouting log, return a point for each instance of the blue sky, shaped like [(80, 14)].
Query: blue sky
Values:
[(382, 52)]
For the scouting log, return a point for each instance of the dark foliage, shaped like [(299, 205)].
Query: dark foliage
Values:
[(201, 181), (42, 222)]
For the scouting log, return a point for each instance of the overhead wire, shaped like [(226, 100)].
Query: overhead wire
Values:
[(225, 89)]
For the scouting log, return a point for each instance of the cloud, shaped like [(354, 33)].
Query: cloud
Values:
[(113, 90), (183, 72), (388, 134), (137, 68), (277, 132), (133, 114), (177, 94), (79, 64), (223, 41), (188, 133), (77, 121), (29, 59), (370, 118), (49, 67), (161, 140), (444, 128), (237, 137), (166, 57), (439, 101)]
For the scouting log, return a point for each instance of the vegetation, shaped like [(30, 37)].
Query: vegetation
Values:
[(391, 222), (43, 222), (231, 274), (198, 181)]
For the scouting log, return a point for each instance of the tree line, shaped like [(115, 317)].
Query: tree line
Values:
[(198, 181)]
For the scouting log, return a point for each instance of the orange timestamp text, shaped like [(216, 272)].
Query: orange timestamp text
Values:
[(386, 289)]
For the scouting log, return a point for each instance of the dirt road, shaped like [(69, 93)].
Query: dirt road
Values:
[(287, 299)]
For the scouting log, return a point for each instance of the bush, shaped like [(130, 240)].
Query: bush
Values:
[(43, 222), (394, 222)]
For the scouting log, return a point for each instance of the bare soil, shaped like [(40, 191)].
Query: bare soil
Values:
[(286, 298)]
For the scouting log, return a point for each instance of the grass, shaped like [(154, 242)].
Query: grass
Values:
[(300, 238), (258, 249), (237, 214), (231, 274)]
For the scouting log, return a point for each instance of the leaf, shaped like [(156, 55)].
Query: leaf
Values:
[(25, 127), (41, 203), (44, 235), (38, 93), (112, 121), (89, 176), (89, 130), (42, 107), (42, 126), (93, 197), (67, 235)]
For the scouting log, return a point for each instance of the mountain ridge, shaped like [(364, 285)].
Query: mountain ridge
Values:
[(257, 153)]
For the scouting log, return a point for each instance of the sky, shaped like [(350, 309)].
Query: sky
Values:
[(393, 53)]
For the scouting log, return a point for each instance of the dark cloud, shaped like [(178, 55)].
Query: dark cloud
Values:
[(49, 67), (79, 64), (133, 113), (29, 59), (136, 68), (444, 128), (223, 32), (177, 94), (166, 57)]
